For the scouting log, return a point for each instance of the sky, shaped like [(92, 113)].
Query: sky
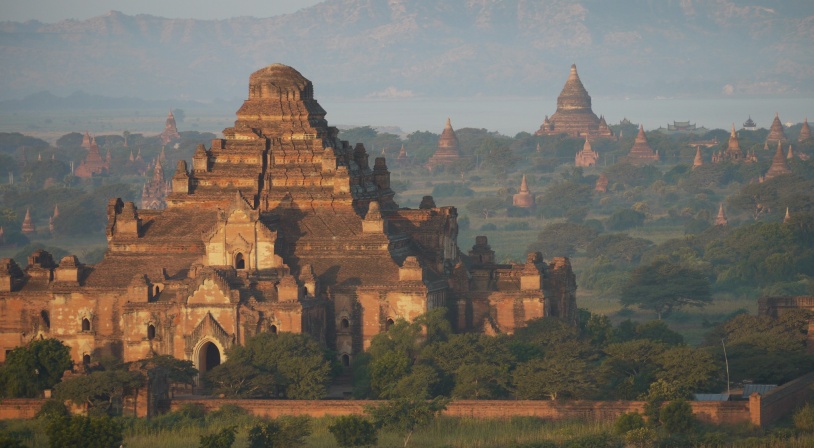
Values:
[(50, 11)]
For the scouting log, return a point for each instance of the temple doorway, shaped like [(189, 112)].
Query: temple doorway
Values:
[(208, 357), (240, 263)]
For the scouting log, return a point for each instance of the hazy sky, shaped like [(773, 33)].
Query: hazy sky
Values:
[(49, 11)]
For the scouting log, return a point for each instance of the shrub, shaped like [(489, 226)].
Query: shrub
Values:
[(222, 439), (641, 437), (628, 422), (804, 418), (352, 430), (52, 409), (283, 432), (87, 432), (601, 440), (677, 417)]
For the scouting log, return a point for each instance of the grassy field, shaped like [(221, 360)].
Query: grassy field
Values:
[(443, 432)]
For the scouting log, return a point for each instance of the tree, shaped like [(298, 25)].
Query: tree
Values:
[(563, 373), (663, 286), (32, 368), (274, 365), (629, 367), (561, 197), (485, 207), (625, 219), (688, 370), (677, 417), (101, 390), (353, 430), (405, 416), (562, 239)]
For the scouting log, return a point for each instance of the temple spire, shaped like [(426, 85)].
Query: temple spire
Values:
[(721, 220), (28, 225), (524, 187), (787, 218), (699, 160), (779, 165)]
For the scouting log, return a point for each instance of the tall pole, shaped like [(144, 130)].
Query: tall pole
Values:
[(726, 360)]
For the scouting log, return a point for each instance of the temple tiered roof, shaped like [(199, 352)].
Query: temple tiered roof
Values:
[(779, 166), (586, 157), (448, 151)]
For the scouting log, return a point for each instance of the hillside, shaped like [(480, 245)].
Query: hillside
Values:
[(452, 48)]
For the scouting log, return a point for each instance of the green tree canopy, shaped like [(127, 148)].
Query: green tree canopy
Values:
[(32, 368), (663, 286)]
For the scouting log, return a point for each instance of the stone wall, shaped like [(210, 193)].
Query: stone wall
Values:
[(778, 402)]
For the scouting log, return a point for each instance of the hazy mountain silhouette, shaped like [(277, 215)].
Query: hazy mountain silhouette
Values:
[(448, 48)]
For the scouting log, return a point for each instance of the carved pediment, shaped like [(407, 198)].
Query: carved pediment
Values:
[(211, 289)]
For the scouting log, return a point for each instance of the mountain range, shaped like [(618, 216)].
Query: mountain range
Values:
[(449, 48)]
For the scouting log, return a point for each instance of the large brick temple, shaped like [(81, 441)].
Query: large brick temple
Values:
[(574, 115), (278, 226)]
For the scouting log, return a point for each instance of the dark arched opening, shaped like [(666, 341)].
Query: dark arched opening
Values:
[(344, 323), (45, 319), (388, 324), (273, 329), (240, 263), (151, 332), (86, 359), (157, 290), (85, 324), (346, 360), (208, 357)]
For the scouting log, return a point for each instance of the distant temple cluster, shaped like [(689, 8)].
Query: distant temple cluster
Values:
[(277, 226), (93, 164)]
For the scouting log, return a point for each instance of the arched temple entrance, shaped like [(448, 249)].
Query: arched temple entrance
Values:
[(240, 263), (209, 357)]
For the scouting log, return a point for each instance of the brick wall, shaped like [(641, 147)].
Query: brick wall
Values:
[(19, 408), (711, 412), (781, 400)]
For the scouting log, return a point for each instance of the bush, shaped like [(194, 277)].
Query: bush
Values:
[(625, 219), (677, 417), (804, 418), (601, 440), (52, 409), (283, 432), (352, 430), (641, 437), (628, 422), (517, 226), (222, 439), (87, 432)]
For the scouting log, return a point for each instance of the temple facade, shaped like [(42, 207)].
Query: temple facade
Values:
[(574, 115), (277, 226), (586, 157)]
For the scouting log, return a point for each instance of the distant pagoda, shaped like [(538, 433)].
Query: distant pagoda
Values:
[(699, 160), (402, 159), (779, 166), (93, 163), (721, 220), (170, 130), (574, 115), (749, 124), (523, 198), (641, 153), (155, 191), (805, 132), (776, 133), (601, 183), (587, 157), (28, 226), (448, 152)]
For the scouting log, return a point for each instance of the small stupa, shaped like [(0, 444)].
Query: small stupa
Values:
[(805, 132), (523, 198), (28, 225), (601, 183)]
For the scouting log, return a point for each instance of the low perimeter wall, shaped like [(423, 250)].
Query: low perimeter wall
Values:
[(20, 408), (778, 402), (712, 412)]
